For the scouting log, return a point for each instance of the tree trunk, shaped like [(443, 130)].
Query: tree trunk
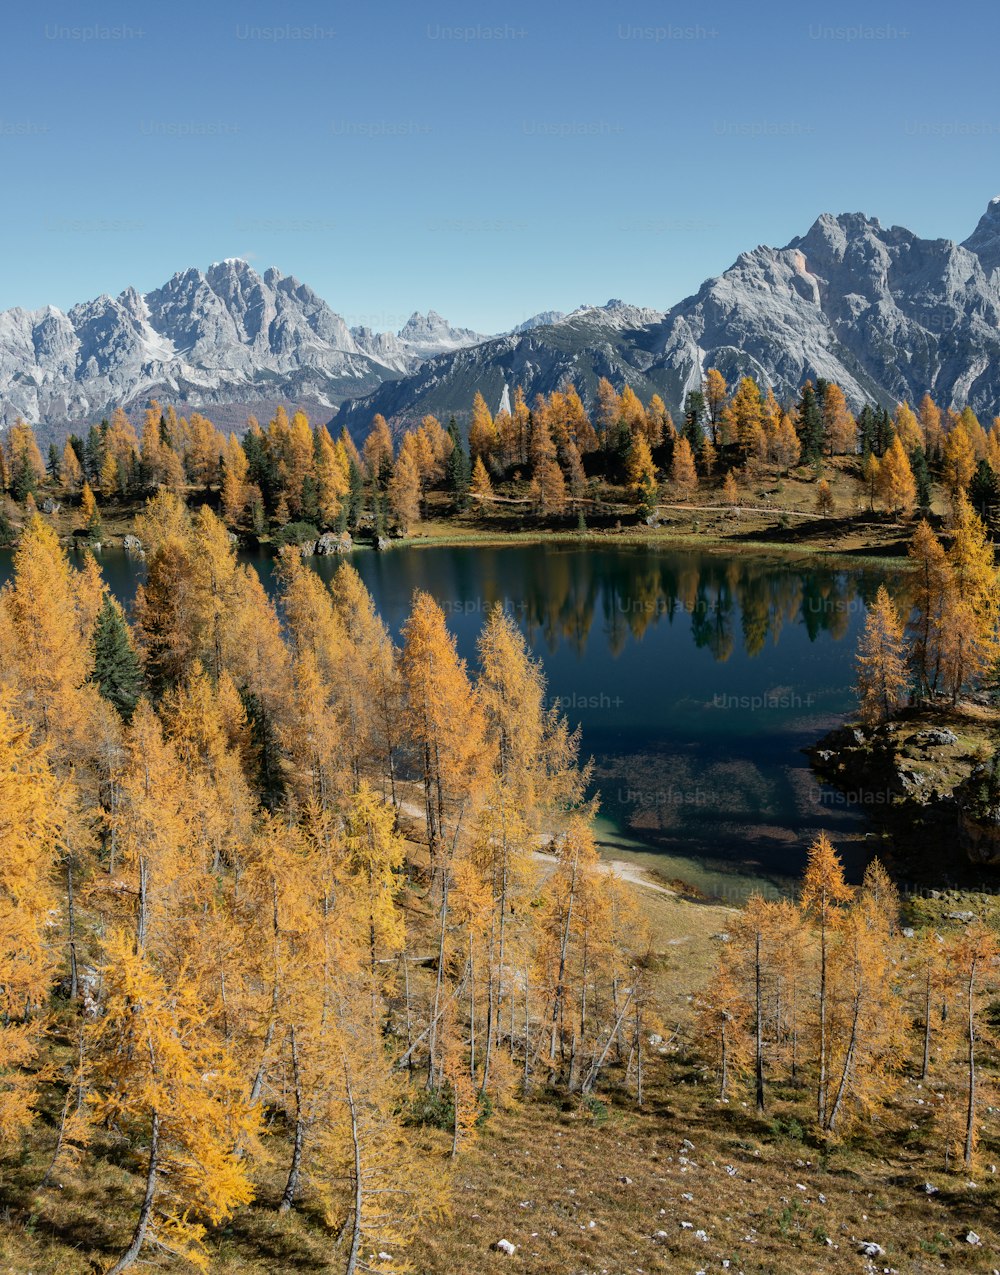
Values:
[(74, 982), (291, 1186), (352, 1261), (848, 1062), (926, 1066), (139, 1234), (821, 1091), (759, 1033), (970, 1117)]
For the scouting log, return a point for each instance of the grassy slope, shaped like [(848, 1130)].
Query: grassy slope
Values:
[(768, 1198), (777, 515)]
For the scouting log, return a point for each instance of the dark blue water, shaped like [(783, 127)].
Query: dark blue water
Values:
[(697, 680)]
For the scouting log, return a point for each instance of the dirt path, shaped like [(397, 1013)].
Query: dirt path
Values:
[(630, 872)]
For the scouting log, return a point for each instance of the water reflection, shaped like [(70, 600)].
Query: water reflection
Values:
[(697, 680)]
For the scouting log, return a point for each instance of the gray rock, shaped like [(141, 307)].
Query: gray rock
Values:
[(132, 544), (845, 301), (937, 738), (382, 543), (50, 505), (226, 335), (868, 1248), (505, 1247)]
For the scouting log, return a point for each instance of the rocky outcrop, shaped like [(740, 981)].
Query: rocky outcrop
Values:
[(132, 544), (223, 337), (333, 542), (884, 313)]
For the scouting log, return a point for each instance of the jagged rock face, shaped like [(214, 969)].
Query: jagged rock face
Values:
[(224, 337), (882, 312), (422, 337), (887, 315), (613, 340)]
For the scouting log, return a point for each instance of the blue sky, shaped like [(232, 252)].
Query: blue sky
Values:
[(488, 161)]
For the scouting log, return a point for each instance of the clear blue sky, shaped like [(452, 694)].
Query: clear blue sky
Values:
[(488, 162)]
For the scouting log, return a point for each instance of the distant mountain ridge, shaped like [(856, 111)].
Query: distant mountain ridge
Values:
[(224, 337), (886, 314)]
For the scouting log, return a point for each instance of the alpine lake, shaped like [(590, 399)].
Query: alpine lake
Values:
[(697, 679)]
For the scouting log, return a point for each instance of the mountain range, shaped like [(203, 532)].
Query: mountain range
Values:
[(884, 313)]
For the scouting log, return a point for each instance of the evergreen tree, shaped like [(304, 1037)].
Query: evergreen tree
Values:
[(93, 455), (884, 431), (866, 430), (310, 499), (54, 461), (694, 416), (984, 496), (117, 670), (458, 469), (810, 424), (921, 476)]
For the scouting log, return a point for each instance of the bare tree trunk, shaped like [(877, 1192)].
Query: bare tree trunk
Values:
[(139, 1234), (352, 1261), (74, 982), (406, 993), (759, 1027), (848, 1062), (821, 1091), (926, 1066), (291, 1186), (432, 1043), (638, 1053), (970, 1116), (595, 1069), (527, 1028)]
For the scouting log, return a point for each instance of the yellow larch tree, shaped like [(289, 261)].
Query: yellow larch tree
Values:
[(839, 426), (897, 486), (716, 397), (821, 900), (480, 486), (881, 663), (682, 471), (482, 431), (932, 605), (404, 492), (930, 425), (959, 460), (32, 818), (70, 471)]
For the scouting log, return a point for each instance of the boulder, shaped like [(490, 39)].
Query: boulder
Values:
[(382, 543), (330, 542), (132, 544), (506, 1247), (937, 738), (50, 505)]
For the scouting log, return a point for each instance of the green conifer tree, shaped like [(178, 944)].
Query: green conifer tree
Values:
[(117, 670)]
